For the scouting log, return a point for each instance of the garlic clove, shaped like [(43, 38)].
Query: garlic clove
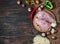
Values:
[(54, 24), (29, 9), (53, 31), (43, 34), (39, 9)]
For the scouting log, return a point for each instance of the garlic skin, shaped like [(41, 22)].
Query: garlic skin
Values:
[(40, 40), (54, 24)]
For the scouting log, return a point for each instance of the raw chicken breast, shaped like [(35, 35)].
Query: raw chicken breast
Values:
[(44, 20), (44, 15)]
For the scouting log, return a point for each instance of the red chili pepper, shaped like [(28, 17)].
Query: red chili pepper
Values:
[(32, 13)]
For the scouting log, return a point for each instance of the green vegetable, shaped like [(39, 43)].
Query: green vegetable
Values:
[(48, 5)]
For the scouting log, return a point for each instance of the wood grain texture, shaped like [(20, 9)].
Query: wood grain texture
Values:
[(15, 25)]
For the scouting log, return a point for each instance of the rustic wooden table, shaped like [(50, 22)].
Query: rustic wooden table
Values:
[(15, 24)]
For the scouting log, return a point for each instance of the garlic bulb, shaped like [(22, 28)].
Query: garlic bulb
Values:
[(40, 40)]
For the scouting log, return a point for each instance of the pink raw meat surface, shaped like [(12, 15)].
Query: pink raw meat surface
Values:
[(45, 25), (44, 20), (46, 16)]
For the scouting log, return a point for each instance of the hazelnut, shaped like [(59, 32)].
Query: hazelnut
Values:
[(23, 5), (53, 37), (48, 33), (18, 2), (37, 1)]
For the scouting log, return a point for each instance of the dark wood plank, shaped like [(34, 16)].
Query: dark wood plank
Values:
[(15, 24)]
